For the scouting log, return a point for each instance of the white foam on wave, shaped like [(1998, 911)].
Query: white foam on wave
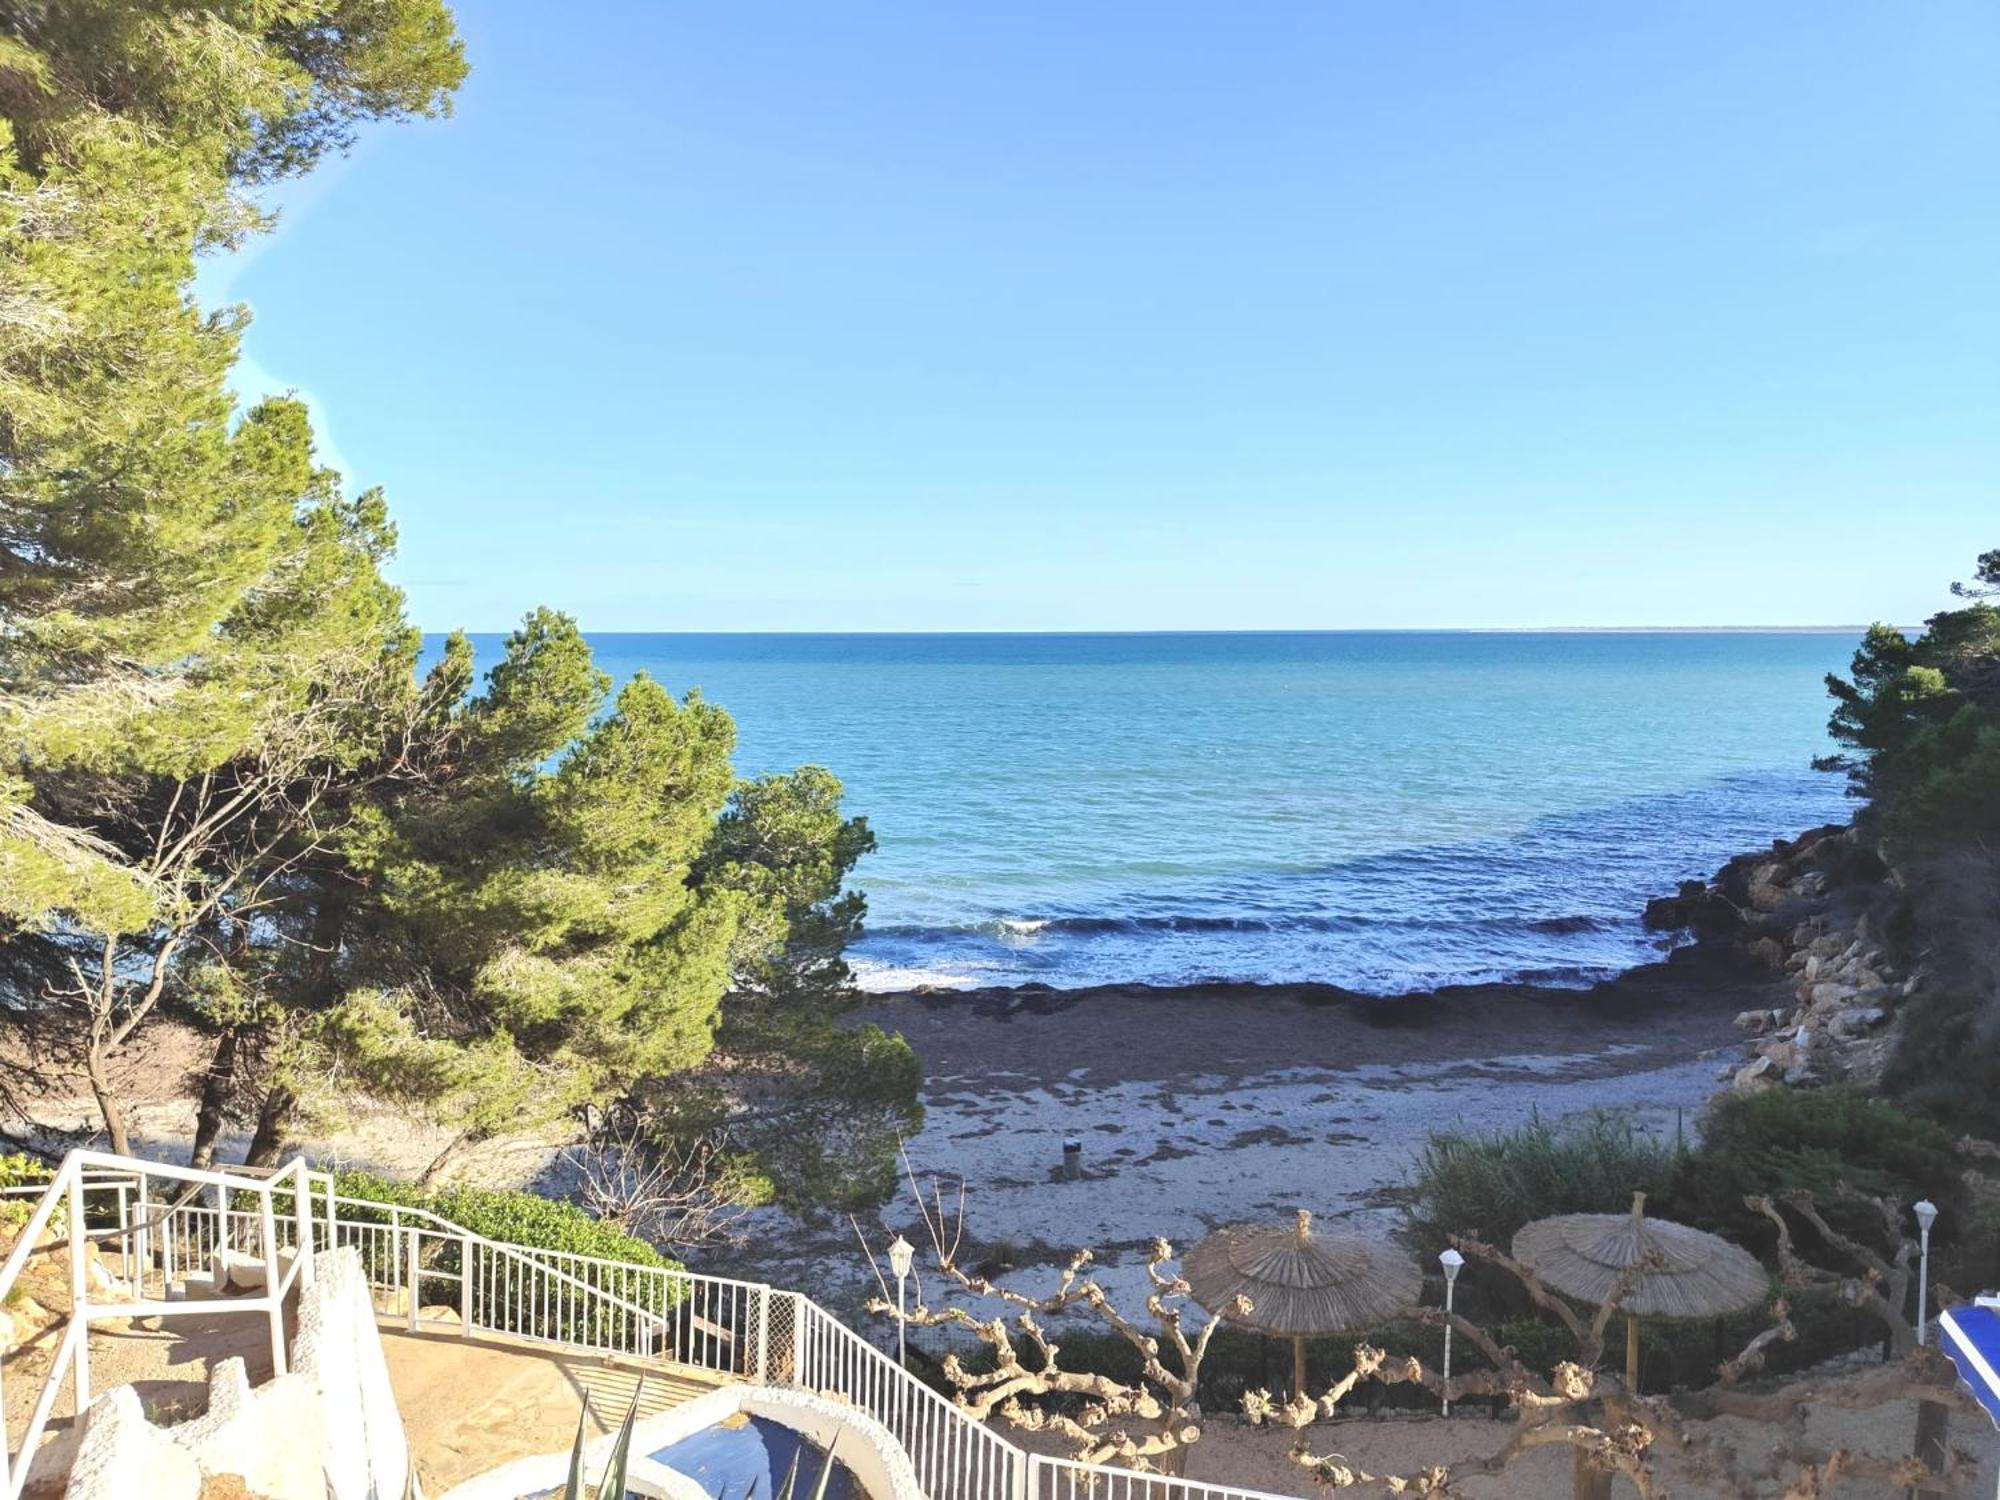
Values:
[(878, 978), (1021, 927)]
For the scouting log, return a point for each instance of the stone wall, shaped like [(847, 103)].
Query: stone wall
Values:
[(328, 1430)]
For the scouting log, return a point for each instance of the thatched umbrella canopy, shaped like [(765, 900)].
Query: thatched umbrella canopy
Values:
[(1300, 1284), (1684, 1273)]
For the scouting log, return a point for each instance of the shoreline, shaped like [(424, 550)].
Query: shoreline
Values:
[(1201, 1105)]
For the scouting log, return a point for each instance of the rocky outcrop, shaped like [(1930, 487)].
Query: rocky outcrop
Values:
[(1811, 907)]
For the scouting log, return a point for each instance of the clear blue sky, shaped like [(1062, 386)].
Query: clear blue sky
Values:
[(1107, 315)]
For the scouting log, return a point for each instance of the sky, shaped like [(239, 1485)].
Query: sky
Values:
[(1047, 316)]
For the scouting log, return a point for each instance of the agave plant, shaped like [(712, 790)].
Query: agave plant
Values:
[(791, 1485), (611, 1484), (790, 1491)]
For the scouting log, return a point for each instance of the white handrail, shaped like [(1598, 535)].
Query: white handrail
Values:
[(585, 1302)]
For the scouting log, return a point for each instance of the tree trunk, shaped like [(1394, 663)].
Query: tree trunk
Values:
[(1593, 1480), (215, 1088), (107, 1102), (1932, 1448), (455, 1145), (273, 1121)]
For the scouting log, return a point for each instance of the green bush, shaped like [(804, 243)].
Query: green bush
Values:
[(512, 1218), (1491, 1184), (509, 1218), (1821, 1141), (1947, 1061), (19, 1170)]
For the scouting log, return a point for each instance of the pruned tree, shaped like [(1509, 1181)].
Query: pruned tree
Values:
[(1614, 1430), (1146, 1424)]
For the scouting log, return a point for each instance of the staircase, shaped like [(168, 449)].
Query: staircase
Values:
[(175, 1242)]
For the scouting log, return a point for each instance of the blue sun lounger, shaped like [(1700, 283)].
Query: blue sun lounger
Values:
[(1971, 1337)]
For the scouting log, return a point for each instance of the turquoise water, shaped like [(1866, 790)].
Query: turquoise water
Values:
[(1382, 810)]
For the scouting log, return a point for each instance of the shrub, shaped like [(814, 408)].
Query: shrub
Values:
[(512, 1218), (1492, 1184), (19, 1170), (1820, 1141), (508, 1218)]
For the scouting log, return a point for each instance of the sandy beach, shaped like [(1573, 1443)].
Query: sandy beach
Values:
[(1206, 1105)]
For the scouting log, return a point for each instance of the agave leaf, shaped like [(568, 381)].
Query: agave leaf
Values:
[(612, 1485), (573, 1486), (826, 1474), (791, 1479)]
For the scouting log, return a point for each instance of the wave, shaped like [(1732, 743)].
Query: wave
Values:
[(1141, 924)]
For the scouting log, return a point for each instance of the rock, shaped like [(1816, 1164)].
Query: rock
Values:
[(1858, 1019), (1755, 1022), (1800, 1076), (1755, 1076), (1769, 952), (1781, 1052), (1766, 889), (1832, 993)]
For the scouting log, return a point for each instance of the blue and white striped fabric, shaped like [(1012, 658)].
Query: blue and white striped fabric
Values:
[(1971, 1336)]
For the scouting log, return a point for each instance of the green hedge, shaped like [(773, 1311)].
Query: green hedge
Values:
[(509, 1218), (512, 1218)]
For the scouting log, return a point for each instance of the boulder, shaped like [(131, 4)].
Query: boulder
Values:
[(1766, 889), (1769, 952), (1756, 1076), (1858, 1019)]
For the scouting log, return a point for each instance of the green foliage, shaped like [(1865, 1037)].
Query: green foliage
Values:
[(224, 791), (611, 1484), (199, 640), (1490, 1185), (535, 935), (1945, 1067), (1830, 1142), (510, 1217), (19, 1170)]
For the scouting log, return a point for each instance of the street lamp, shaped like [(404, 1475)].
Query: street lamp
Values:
[(1926, 1212), (1452, 1261), (901, 1254)]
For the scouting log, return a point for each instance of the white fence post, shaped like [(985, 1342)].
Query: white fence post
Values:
[(763, 1335), (302, 1224), (79, 1296), (467, 1250), (267, 1224), (411, 1278)]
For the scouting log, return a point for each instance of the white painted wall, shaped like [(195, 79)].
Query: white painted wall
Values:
[(865, 1445), (329, 1430)]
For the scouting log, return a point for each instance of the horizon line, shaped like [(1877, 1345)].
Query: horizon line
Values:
[(1250, 630)]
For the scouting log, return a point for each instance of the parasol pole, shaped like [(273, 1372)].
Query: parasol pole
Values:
[(1632, 1323), (1299, 1367)]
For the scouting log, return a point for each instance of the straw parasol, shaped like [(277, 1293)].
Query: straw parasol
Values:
[(1685, 1273), (1299, 1284)]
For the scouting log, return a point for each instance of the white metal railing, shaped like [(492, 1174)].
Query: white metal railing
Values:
[(430, 1275), (1066, 1479), (953, 1454), (141, 1230)]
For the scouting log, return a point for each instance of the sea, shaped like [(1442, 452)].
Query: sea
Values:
[(1386, 811)]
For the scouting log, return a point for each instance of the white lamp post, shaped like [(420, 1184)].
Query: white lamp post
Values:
[(1451, 1260), (1926, 1212), (901, 1254)]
